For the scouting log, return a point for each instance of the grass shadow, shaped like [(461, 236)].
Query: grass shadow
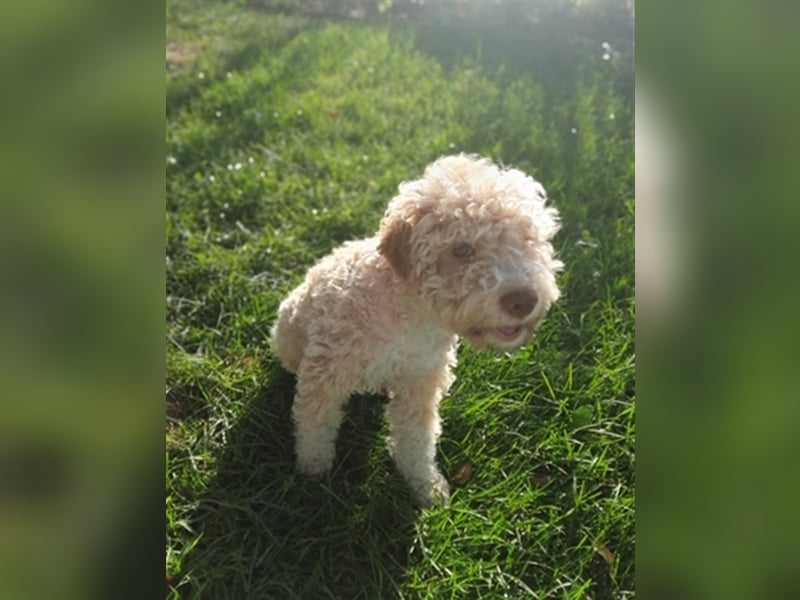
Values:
[(266, 532)]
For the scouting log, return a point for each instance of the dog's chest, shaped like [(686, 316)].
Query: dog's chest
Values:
[(412, 352)]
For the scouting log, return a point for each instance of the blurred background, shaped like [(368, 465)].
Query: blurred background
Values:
[(81, 299), (716, 139)]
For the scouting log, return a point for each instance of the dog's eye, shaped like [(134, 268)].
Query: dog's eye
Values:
[(463, 251)]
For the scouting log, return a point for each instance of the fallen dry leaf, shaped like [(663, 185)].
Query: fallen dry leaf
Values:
[(463, 474), (606, 554)]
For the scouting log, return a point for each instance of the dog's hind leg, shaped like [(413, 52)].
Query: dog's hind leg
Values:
[(317, 412)]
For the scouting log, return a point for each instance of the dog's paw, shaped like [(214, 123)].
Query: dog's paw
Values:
[(313, 467), (433, 493)]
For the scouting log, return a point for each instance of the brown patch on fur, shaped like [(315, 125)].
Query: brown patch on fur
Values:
[(395, 246)]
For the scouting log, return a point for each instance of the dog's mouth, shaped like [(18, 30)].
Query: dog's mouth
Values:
[(504, 336), (508, 334)]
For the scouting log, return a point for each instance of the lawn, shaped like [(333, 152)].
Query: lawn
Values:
[(289, 128)]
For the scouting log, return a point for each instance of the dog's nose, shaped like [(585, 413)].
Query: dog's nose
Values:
[(518, 303)]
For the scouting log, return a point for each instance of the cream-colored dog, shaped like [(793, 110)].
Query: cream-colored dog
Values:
[(464, 251)]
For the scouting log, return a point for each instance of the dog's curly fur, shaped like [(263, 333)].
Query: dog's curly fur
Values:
[(464, 251)]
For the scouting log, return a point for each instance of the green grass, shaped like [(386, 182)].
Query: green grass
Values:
[(292, 141)]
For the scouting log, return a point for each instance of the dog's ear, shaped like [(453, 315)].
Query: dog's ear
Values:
[(395, 245)]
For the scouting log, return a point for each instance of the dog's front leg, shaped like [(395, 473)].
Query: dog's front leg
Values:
[(413, 415)]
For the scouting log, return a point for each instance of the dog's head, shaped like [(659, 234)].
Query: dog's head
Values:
[(475, 241)]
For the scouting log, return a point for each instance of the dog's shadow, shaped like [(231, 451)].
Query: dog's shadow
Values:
[(267, 532)]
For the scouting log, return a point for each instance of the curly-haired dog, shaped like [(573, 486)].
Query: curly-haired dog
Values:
[(463, 251)]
